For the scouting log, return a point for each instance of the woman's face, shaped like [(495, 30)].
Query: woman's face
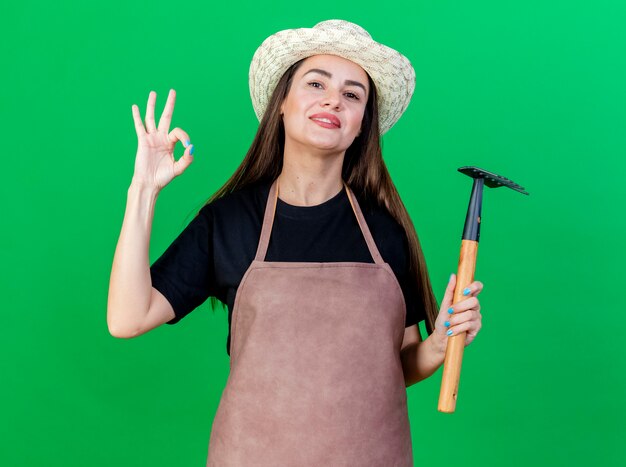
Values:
[(325, 104)]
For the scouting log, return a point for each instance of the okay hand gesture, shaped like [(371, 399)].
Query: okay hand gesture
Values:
[(155, 165)]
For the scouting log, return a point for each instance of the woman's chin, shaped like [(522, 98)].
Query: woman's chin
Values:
[(328, 145), (320, 143)]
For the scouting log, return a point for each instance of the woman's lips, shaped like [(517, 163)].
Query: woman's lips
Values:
[(326, 120)]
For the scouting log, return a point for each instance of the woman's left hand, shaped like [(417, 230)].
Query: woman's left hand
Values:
[(463, 316)]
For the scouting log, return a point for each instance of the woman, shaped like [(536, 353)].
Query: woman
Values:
[(324, 297)]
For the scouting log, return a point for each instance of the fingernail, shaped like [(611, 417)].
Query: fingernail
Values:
[(449, 333), (466, 291), (447, 323), (191, 150), (450, 310), (187, 143), (451, 276)]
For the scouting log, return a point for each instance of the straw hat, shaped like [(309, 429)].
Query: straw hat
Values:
[(391, 71)]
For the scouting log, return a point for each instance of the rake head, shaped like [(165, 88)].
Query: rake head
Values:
[(491, 180)]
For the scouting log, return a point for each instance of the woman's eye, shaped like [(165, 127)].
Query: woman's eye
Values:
[(315, 84), (351, 95)]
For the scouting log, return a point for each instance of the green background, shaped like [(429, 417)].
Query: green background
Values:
[(532, 90)]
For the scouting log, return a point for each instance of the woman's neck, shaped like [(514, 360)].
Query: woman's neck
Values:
[(309, 179)]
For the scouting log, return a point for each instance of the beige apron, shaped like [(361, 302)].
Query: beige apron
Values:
[(315, 374)]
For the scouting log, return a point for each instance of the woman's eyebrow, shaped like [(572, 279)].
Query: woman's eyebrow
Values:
[(349, 82)]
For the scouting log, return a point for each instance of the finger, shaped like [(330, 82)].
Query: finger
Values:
[(168, 111), (464, 316), (178, 134), (466, 304), (150, 128), (185, 161), (471, 327), (449, 294), (473, 289), (139, 128)]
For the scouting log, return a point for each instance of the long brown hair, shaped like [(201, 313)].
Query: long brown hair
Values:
[(363, 170)]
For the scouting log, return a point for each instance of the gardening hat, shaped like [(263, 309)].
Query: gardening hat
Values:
[(390, 71)]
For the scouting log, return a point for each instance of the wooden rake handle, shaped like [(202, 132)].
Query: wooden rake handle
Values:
[(456, 344)]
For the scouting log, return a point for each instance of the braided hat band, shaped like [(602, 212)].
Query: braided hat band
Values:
[(390, 71)]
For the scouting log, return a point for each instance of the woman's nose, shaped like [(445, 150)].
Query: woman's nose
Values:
[(331, 99)]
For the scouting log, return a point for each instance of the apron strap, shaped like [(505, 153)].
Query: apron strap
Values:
[(268, 222), (371, 244)]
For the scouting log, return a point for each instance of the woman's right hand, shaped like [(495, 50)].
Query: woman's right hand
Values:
[(155, 166)]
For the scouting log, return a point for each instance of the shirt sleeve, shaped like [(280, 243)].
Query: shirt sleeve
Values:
[(414, 309), (184, 273)]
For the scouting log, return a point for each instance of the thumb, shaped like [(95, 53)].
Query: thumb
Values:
[(185, 161), (449, 294)]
